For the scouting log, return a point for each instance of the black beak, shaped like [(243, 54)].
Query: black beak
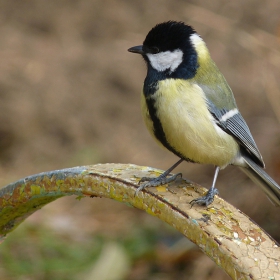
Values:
[(137, 49)]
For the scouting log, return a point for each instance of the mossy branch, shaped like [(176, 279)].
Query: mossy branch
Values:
[(221, 231)]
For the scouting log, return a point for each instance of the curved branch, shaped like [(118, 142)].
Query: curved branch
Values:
[(221, 231)]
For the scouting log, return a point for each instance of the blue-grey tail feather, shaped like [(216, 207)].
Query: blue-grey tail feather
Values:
[(261, 178)]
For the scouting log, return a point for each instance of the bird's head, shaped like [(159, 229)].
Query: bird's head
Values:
[(172, 48)]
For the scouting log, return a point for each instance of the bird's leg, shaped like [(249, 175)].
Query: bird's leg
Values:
[(160, 180), (209, 197)]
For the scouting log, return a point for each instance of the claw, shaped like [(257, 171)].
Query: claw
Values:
[(160, 180), (155, 182), (206, 199)]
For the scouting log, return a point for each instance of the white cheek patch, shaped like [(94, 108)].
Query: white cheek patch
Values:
[(166, 60)]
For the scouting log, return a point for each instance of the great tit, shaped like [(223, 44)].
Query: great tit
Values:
[(190, 109)]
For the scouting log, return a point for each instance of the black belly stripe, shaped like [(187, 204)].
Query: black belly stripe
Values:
[(157, 126)]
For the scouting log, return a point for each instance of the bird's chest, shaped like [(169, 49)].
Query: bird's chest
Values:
[(176, 107), (177, 115)]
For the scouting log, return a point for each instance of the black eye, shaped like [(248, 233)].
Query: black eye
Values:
[(154, 50)]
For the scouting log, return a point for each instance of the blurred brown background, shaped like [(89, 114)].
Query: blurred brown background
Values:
[(70, 95)]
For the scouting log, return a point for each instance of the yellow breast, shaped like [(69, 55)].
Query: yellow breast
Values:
[(188, 125)]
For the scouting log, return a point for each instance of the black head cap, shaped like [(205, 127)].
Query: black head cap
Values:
[(168, 36)]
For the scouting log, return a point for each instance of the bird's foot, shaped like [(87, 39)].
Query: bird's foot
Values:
[(206, 199), (155, 182)]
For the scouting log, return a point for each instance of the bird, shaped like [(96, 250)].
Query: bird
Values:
[(189, 109)]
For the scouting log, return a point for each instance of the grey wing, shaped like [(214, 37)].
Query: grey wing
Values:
[(232, 122)]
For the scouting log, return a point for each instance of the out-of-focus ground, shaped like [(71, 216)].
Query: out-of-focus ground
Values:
[(70, 94)]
